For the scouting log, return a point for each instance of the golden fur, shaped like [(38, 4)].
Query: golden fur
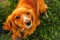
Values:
[(26, 9)]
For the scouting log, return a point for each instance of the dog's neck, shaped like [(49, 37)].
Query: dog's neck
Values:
[(28, 4), (33, 3)]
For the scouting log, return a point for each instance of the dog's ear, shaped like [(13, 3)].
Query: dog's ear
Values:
[(8, 24), (37, 22)]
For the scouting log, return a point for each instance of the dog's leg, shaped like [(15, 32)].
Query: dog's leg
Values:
[(42, 6)]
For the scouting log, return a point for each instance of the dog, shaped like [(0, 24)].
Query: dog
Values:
[(25, 18)]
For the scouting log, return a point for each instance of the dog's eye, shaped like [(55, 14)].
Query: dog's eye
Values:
[(17, 17), (27, 13)]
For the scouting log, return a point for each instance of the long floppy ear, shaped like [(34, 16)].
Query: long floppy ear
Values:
[(37, 22), (7, 25)]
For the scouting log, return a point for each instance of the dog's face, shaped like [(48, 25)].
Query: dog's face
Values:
[(23, 17)]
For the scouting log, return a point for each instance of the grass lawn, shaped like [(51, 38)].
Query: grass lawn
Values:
[(49, 29)]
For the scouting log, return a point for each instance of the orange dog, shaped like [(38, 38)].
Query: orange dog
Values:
[(25, 18)]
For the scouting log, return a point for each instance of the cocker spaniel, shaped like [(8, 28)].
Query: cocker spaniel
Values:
[(25, 18)]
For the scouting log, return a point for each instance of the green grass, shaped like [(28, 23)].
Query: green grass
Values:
[(6, 37), (49, 29)]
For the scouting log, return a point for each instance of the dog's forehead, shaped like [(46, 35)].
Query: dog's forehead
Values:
[(22, 9)]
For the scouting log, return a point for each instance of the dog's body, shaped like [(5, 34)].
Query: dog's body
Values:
[(24, 19)]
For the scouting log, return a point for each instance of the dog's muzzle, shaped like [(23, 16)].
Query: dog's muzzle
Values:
[(28, 22)]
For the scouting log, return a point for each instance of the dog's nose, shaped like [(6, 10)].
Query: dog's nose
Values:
[(28, 22)]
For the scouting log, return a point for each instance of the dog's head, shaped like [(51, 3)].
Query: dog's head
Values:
[(22, 18)]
